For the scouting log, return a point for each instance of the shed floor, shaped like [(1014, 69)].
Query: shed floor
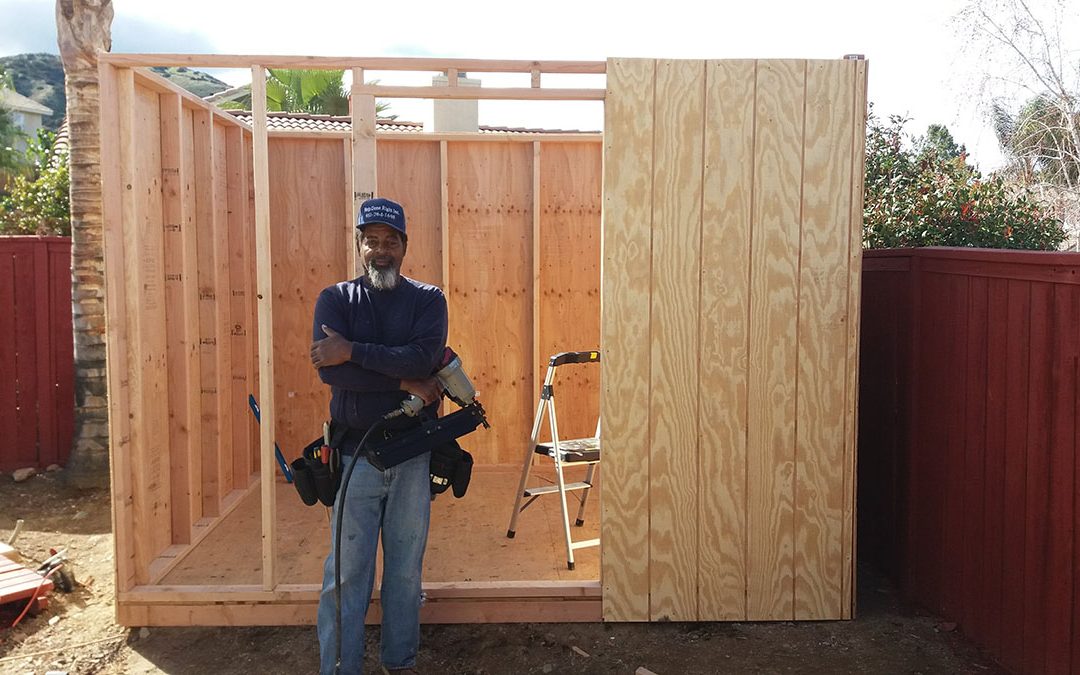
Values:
[(467, 540)]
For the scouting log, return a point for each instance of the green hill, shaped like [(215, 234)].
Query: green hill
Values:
[(41, 77)]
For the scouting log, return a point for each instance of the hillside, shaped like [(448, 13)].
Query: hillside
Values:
[(41, 77)]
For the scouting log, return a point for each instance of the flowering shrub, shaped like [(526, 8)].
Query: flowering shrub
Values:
[(919, 196), (37, 201)]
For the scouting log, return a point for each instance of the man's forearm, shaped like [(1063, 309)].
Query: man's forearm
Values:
[(407, 362), (353, 377)]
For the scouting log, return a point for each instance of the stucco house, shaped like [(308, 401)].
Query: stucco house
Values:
[(28, 114)]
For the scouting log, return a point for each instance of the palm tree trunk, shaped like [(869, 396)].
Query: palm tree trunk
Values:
[(83, 30)]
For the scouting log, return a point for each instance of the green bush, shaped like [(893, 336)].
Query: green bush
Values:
[(38, 201), (918, 193)]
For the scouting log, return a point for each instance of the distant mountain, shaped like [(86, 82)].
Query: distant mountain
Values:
[(41, 77), (195, 81)]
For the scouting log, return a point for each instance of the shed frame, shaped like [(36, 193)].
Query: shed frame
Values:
[(141, 600)]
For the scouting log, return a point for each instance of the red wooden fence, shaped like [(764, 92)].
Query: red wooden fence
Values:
[(969, 446), (36, 352)]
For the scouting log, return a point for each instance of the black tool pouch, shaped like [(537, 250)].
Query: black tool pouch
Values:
[(451, 466), (315, 480)]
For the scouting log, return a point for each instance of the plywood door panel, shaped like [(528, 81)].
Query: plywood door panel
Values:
[(674, 352), (773, 349), (725, 278), (822, 341), (569, 279), (625, 302), (308, 194), (490, 239), (409, 174)]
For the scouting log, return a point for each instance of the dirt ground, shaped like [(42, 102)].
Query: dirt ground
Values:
[(76, 633)]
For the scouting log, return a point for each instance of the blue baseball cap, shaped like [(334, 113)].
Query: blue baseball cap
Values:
[(383, 211)]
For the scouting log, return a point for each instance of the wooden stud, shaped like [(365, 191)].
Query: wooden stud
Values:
[(364, 160), (534, 79), (444, 220), (625, 303), (536, 369), (227, 407), (350, 208), (113, 189), (239, 307), (263, 257), (205, 216), (451, 77), (182, 326)]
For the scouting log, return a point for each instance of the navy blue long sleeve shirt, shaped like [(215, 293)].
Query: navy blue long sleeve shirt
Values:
[(396, 335)]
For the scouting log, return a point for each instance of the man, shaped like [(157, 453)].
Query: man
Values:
[(377, 339)]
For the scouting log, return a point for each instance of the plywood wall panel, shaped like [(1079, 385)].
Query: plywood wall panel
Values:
[(409, 174), (307, 201), (773, 310), (569, 279), (625, 303), (822, 341), (490, 287), (674, 348), (725, 279)]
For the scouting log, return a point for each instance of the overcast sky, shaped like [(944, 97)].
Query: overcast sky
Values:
[(911, 46)]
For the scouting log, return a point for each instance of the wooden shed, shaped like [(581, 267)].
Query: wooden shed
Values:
[(709, 242)]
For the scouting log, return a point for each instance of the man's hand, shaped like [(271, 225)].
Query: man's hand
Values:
[(330, 351), (427, 389)]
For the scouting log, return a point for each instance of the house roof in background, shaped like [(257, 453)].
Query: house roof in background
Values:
[(277, 121), (13, 100)]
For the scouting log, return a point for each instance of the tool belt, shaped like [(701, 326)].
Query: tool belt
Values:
[(317, 472)]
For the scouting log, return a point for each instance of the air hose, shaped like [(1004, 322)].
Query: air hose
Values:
[(379, 425)]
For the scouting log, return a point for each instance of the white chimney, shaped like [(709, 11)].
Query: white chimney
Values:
[(456, 114)]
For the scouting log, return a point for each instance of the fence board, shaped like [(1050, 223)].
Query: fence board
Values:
[(992, 476), (569, 278), (409, 174), (490, 239), (27, 359)]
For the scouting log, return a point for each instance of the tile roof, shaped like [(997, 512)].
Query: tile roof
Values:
[(306, 122)]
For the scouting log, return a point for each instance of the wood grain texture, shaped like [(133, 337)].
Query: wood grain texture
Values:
[(823, 341), (409, 174), (205, 225), (228, 407), (568, 278), (182, 328), (490, 232), (625, 322), (725, 276), (774, 260), (113, 156), (674, 354), (308, 197), (241, 250), (854, 286), (146, 274)]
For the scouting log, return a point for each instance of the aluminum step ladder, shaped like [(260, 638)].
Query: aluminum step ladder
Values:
[(564, 453)]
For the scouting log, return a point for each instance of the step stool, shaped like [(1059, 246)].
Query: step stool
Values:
[(564, 453)]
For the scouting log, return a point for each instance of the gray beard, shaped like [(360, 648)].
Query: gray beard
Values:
[(383, 279)]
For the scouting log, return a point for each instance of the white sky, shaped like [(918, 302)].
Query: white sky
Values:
[(911, 46)]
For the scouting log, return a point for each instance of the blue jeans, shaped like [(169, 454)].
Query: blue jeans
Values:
[(397, 501)]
